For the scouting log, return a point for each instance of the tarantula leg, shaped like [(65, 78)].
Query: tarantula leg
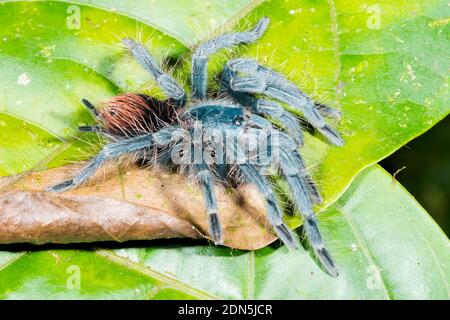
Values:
[(310, 224), (268, 82), (90, 107), (115, 150), (269, 108), (327, 111), (264, 107), (205, 179), (255, 121), (85, 173), (170, 87), (97, 129), (110, 151), (289, 149), (202, 53), (293, 170), (252, 175), (286, 119), (312, 189), (247, 65)]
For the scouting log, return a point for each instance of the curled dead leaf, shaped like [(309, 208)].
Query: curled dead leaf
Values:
[(138, 204)]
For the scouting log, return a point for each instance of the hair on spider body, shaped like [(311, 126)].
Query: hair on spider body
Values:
[(237, 143), (132, 114)]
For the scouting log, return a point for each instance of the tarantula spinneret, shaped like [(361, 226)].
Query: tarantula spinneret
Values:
[(139, 125)]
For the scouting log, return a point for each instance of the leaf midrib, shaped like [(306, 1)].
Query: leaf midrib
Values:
[(365, 249), (251, 277), (12, 260), (147, 271)]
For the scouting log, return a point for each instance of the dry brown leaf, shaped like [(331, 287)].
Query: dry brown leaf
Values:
[(137, 204)]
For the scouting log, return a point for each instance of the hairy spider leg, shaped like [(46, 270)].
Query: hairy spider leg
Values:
[(328, 111), (257, 122), (204, 178), (97, 129), (202, 53), (251, 174), (249, 65), (264, 107), (115, 150), (302, 187), (92, 109), (288, 147), (262, 80), (293, 170), (274, 213), (170, 87)]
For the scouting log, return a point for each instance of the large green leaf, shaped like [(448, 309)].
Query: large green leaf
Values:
[(390, 79), (385, 245)]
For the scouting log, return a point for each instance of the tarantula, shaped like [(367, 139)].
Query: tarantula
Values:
[(140, 125)]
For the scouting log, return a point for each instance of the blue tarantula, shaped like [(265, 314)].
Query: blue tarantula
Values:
[(139, 125)]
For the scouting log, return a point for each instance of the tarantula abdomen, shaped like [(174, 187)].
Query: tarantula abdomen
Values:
[(132, 114)]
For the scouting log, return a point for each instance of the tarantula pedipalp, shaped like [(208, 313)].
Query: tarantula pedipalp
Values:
[(136, 124)]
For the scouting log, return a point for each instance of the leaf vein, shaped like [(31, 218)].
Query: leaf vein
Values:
[(174, 283)]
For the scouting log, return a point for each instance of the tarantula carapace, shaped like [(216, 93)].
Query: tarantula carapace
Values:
[(139, 125)]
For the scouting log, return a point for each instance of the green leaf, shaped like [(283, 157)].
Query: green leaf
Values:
[(384, 243)]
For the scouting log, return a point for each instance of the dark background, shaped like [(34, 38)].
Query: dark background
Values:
[(427, 171)]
